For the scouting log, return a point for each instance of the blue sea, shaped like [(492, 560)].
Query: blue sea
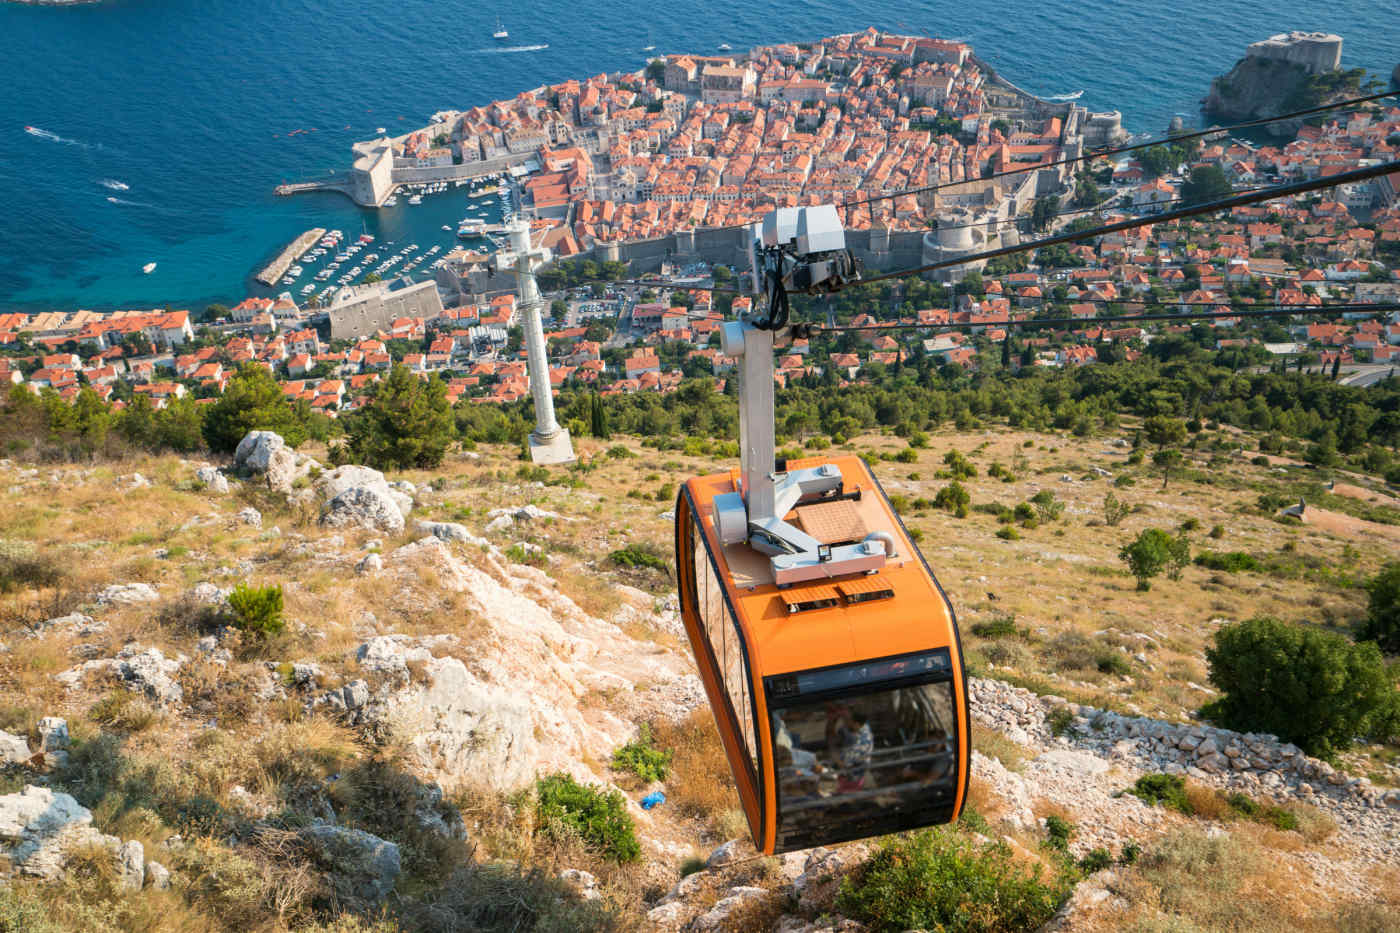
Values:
[(190, 105)]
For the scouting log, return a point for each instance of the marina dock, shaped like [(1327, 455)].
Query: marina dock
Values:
[(278, 267)]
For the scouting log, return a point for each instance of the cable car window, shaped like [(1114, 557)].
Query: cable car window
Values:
[(726, 644), (875, 755)]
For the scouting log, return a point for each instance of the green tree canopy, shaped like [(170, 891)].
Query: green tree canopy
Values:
[(407, 424), (1207, 183), (1316, 689), (1382, 623), (1152, 552), (253, 401)]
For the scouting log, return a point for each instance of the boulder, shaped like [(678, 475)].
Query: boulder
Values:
[(131, 865), (212, 479), (157, 876), (582, 882), (148, 671), (207, 594), (365, 507), (265, 454), (75, 623), (53, 734), (370, 563), (726, 913), (125, 594), (38, 828), (362, 866), (450, 531), (250, 516), (14, 750), (334, 482), (730, 851)]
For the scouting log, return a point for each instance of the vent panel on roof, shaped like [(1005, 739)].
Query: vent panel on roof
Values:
[(864, 590), (808, 598)]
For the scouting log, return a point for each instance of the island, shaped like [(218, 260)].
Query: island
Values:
[(1286, 72)]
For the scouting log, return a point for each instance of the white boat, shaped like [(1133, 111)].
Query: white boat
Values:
[(416, 199), (380, 131), (447, 228), (725, 47), (391, 201), (308, 289), (471, 228), (148, 268), (500, 35)]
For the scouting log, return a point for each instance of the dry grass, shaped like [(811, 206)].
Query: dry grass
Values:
[(701, 785), (993, 744)]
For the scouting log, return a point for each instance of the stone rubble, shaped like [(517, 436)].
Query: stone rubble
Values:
[(146, 671)]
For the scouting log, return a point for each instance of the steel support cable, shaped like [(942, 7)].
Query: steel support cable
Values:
[(1127, 319), (1254, 197)]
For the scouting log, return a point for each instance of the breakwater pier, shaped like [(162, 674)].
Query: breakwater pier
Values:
[(278, 267)]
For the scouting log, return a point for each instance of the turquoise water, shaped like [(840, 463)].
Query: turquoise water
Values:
[(190, 104)]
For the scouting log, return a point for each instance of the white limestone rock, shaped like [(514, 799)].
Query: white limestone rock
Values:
[(131, 865), (212, 479), (38, 828), (157, 876), (14, 750), (250, 516), (125, 594), (362, 866), (365, 507)]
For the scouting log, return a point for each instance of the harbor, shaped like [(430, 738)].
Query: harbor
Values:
[(274, 271)]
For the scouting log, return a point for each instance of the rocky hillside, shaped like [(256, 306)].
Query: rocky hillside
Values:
[(179, 756)]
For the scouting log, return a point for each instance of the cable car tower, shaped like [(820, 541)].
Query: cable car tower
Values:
[(828, 650), (549, 442)]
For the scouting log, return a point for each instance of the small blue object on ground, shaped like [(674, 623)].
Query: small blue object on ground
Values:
[(652, 799)]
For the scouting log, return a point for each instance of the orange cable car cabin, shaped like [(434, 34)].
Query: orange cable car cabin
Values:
[(842, 702)]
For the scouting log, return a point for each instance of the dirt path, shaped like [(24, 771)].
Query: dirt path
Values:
[(1365, 495), (1347, 526)]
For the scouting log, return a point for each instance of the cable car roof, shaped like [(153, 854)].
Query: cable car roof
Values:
[(847, 618)]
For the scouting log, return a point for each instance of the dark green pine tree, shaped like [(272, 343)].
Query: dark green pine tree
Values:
[(1336, 365), (1006, 353), (598, 418), (407, 424)]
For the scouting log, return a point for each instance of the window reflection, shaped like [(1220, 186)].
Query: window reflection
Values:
[(865, 764)]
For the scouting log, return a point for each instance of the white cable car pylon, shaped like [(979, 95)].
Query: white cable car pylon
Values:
[(549, 442)]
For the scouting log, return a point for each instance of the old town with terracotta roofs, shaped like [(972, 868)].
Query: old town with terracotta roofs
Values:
[(629, 163)]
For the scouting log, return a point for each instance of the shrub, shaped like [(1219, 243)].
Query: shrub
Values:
[(598, 817), (22, 566), (257, 609), (620, 452), (1047, 509), (124, 711), (953, 497), (1228, 561), (642, 758), (1382, 623), (940, 880), (1059, 830), (1008, 533), (639, 555), (1113, 662), (1153, 551), (1059, 720), (1313, 688), (1169, 790), (1114, 510), (1000, 627), (959, 467), (1096, 860), (1217, 532)]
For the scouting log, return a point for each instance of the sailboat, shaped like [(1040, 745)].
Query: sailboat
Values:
[(500, 34)]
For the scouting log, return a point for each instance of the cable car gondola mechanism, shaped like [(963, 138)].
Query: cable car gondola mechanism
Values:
[(828, 650)]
